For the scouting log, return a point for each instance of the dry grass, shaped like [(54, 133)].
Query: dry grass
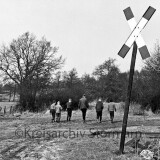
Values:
[(80, 147)]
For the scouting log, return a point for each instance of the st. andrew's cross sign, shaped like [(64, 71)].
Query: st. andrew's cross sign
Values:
[(136, 39), (135, 34)]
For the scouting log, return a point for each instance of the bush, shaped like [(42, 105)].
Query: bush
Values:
[(136, 109)]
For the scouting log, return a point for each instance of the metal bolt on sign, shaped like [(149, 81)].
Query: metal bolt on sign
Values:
[(134, 39)]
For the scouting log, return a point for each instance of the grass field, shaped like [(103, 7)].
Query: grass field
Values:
[(33, 136)]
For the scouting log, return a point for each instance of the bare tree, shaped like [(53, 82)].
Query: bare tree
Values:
[(29, 63)]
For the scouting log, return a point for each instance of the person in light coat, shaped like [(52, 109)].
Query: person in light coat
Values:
[(58, 109), (111, 109), (53, 111)]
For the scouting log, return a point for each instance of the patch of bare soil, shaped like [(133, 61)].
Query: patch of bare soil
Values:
[(29, 149)]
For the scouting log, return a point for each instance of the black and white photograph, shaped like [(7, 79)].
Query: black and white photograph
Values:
[(79, 80)]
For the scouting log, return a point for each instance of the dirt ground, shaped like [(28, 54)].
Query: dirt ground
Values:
[(34, 136)]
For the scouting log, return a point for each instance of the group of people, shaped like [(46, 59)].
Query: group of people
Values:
[(55, 109)]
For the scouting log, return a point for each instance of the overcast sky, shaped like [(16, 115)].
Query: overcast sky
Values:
[(87, 32)]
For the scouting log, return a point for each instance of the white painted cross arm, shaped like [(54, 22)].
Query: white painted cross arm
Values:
[(135, 34)]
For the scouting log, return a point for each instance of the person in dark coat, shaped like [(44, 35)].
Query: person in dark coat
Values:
[(99, 109), (69, 109), (83, 105)]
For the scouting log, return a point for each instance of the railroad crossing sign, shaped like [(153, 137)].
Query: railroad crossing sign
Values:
[(134, 39), (135, 34)]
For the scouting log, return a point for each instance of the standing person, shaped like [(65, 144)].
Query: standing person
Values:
[(83, 105), (99, 109), (111, 109), (53, 111), (69, 109), (58, 109)]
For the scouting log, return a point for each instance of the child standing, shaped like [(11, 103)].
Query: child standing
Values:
[(53, 111), (58, 109), (111, 109)]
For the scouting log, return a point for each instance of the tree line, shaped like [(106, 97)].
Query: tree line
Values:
[(32, 68)]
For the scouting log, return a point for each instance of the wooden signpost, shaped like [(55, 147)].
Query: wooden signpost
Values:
[(134, 39)]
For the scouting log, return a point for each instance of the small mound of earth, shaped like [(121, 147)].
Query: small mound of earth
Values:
[(44, 151), (29, 150)]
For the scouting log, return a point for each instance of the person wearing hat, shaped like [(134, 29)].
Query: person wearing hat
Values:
[(83, 105), (99, 109), (69, 109)]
